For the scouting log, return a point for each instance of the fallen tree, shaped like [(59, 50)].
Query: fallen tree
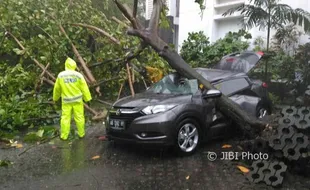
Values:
[(51, 81), (150, 37)]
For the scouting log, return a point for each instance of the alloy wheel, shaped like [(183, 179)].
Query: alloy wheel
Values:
[(188, 137)]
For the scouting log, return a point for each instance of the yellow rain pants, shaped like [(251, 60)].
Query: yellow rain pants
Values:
[(78, 112), (71, 86)]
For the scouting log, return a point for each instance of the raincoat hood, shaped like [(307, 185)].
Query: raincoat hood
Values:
[(70, 64)]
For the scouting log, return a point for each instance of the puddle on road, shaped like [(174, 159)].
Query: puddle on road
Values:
[(73, 157)]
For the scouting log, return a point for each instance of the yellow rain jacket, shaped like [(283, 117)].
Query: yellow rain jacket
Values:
[(71, 85), (72, 88)]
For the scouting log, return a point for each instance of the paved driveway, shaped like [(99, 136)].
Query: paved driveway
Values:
[(69, 166)]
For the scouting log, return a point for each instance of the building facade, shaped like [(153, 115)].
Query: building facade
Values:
[(215, 25)]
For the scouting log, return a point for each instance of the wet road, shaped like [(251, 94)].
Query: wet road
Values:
[(69, 166)]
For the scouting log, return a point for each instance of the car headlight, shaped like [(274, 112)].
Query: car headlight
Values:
[(157, 109)]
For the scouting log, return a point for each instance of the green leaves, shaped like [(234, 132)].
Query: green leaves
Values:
[(199, 52), (43, 133), (5, 163), (271, 14), (18, 51), (201, 4)]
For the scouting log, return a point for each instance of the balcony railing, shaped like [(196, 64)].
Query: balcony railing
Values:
[(228, 3)]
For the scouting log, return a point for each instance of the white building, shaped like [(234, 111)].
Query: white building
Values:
[(215, 25)]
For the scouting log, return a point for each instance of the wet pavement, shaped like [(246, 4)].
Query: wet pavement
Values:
[(62, 165)]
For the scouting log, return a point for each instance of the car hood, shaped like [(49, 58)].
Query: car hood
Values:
[(240, 62), (147, 99)]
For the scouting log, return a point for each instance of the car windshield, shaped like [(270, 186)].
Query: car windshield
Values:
[(174, 84)]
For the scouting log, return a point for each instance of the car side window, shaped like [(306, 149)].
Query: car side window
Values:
[(231, 86)]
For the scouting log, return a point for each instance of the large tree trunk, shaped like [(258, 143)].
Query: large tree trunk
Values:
[(150, 37)]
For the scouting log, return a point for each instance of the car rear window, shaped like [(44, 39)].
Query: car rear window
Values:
[(232, 86), (239, 63)]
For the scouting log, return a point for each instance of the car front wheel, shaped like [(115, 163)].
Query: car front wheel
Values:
[(187, 137)]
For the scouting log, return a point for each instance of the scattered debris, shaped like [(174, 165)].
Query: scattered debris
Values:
[(15, 144), (44, 134), (5, 163), (243, 169), (95, 157), (226, 146), (102, 138)]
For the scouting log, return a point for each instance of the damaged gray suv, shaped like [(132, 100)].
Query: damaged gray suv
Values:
[(176, 112)]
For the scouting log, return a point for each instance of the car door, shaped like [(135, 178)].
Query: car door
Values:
[(205, 107)]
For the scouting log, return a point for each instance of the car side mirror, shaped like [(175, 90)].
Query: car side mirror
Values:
[(213, 93)]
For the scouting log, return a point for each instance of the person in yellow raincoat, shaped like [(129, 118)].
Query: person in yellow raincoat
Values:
[(71, 86)]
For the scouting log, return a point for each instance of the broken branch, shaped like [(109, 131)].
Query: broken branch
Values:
[(119, 22), (120, 90), (35, 60), (145, 85), (48, 81), (44, 70), (133, 75), (135, 8), (131, 56), (81, 60), (127, 13), (99, 30), (155, 17), (129, 80), (104, 81)]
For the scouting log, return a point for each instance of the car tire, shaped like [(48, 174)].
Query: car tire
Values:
[(187, 138)]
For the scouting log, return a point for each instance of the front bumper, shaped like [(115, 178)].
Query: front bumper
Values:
[(155, 129)]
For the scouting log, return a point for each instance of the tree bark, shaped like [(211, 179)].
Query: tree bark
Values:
[(150, 37), (135, 8), (129, 80), (120, 91), (119, 22), (44, 71)]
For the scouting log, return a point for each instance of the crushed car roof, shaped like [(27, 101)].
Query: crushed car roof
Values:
[(213, 75)]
